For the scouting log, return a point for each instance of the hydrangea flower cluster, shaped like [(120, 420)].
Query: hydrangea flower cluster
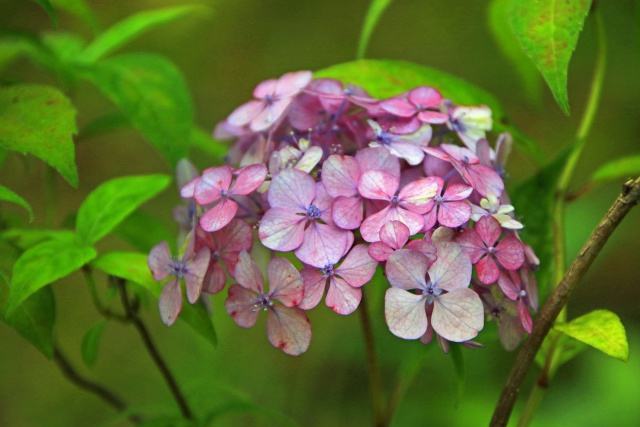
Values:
[(349, 183)]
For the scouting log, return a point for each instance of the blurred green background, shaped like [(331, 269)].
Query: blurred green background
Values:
[(223, 55)]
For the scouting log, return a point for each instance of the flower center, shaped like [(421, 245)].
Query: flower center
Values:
[(177, 268), (327, 270), (523, 293), (438, 199), (313, 212), (224, 193), (269, 99), (394, 200), (262, 302), (491, 250)]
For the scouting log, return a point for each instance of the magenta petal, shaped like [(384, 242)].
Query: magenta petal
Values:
[(189, 188), (219, 216), (195, 272), (454, 214), (414, 221), (289, 329), (291, 83), (378, 159), (245, 113), (323, 245), (267, 87), (437, 153), (214, 279), (342, 297), (292, 189), (431, 218), (417, 195), (472, 244), (269, 115), (394, 234), (358, 267), (285, 283), (347, 212), (281, 229), (249, 179), (405, 313), (407, 269), (340, 175), (488, 229), (525, 316), (170, 302), (236, 236), (458, 315), (248, 274), (426, 97), (410, 151), (460, 153), (213, 181), (433, 117), (487, 269), (370, 227), (457, 192), (380, 251), (378, 185), (159, 261), (510, 253), (452, 269), (398, 107), (485, 180), (314, 284), (240, 306), (509, 283)]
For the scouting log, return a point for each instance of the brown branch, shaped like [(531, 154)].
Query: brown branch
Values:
[(623, 204)]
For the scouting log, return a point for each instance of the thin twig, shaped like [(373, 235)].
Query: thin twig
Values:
[(623, 204), (372, 362), (153, 351), (92, 387)]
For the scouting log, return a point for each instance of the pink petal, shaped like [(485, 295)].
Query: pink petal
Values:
[(405, 313), (188, 189), (170, 302), (410, 151), (457, 192), (290, 84), (431, 218), (249, 179), (195, 272), (398, 107), (289, 329), (380, 251), (285, 283), (358, 267), (433, 117), (248, 274), (458, 315), (460, 154), (378, 159), (292, 189), (414, 221), (416, 195), (407, 269), (245, 113), (340, 175), (159, 261), (281, 229), (214, 279), (489, 230), (267, 87), (370, 228), (347, 212), (236, 236), (525, 316), (323, 245), (314, 284), (394, 234), (488, 271), (378, 185), (212, 182), (428, 249), (454, 214), (219, 216), (426, 97), (452, 269), (510, 253), (342, 297), (240, 306), (437, 153), (483, 179), (509, 283), (269, 115), (323, 202), (472, 244)]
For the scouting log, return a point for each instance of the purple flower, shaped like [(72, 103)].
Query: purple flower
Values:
[(511, 285), (418, 106), (393, 236), (458, 313), (408, 147), (288, 326), (505, 313), (449, 206), (191, 268)]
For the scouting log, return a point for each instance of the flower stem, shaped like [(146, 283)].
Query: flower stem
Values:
[(623, 204), (372, 362), (132, 314)]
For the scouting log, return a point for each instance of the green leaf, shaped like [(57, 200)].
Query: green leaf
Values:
[(548, 31), (49, 9), (34, 319), (508, 43), (39, 120), (534, 202), (91, 343), (144, 231), (24, 238), (564, 350), (80, 9), (131, 27), (601, 329), (376, 9), (103, 124), (10, 196), (42, 265), (151, 91), (196, 316), (110, 203), (457, 357), (386, 78), (626, 167), (203, 141)]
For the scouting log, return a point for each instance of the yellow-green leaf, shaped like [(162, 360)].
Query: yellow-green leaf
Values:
[(375, 11), (626, 167), (10, 196)]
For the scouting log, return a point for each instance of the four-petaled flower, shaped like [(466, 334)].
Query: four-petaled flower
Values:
[(449, 207)]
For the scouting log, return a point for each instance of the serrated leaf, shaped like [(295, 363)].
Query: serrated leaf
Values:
[(152, 93), (548, 31), (24, 238), (601, 329), (457, 357), (39, 120), (34, 319), (375, 11), (10, 196), (626, 167), (91, 343), (49, 9), (110, 203), (133, 26), (534, 202), (203, 141), (42, 265), (510, 47), (387, 78)]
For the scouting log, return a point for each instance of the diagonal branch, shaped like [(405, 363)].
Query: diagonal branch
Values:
[(623, 204)]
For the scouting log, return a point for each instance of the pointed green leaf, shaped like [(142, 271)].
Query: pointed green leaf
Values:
[(34, 319), (49, 9), (103, 124), (110, 203), (601, 329), (626, 167), (152, 93), (133, 26), (80, 9), (143, 231), (198, 318), (510, 46), (10, 196), (457, 357), (39, 120), (24, 238), (375, 11), (42, 265), (548, 31), (386, 78), (91, 343)]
